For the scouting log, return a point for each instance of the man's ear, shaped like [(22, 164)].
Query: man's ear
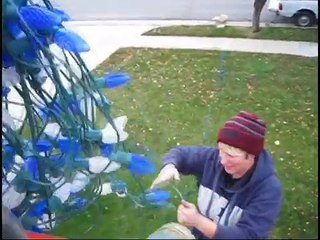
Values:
[(250, 156)]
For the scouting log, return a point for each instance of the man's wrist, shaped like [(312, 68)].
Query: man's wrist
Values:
[(198, 220), (206, 226)]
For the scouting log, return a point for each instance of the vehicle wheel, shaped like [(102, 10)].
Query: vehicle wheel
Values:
[(304, 19)]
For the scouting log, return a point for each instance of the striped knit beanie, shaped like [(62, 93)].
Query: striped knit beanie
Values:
[(245, 131)]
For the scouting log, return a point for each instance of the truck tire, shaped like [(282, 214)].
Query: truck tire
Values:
[(304, 18)]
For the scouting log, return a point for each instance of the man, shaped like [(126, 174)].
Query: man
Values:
[(240, 194)]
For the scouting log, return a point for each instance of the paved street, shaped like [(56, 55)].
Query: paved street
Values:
[(237, 10)]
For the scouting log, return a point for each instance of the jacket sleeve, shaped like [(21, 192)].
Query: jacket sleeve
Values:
[(189, 159), (259, 218)]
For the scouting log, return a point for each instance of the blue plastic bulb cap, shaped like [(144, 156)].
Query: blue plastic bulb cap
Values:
[(7, 60), (39, 209), (39, 18), (70, 41), (44, 145), (5, 91), (67, 145), (79, 203), (116, 80), (141, 165), (107, 149), (158, 196), (15, 30)]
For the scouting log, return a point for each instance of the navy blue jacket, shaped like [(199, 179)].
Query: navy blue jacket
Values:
[(248, 209)]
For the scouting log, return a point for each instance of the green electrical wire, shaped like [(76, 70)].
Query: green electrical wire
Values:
[(68, 122)]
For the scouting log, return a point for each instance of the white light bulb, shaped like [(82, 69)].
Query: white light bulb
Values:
[(10, 77), (109, 135), (11, 198), (63, 192), (79, 182), (16, 111), (52, 129), (99, 163), (106, 189)]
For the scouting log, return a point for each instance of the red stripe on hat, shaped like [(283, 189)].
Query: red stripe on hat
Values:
[(252, 116), (253, 125)]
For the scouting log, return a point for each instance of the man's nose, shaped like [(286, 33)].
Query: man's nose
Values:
[(223, 159)]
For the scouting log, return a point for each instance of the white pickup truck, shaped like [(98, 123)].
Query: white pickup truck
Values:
[(304, 13)]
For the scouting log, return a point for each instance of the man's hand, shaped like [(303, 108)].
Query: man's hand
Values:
[(188, 214), (167, 174)]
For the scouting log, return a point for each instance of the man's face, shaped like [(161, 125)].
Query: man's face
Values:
[(235, 163)]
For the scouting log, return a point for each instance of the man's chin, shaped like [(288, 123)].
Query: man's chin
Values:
[(229, 170)]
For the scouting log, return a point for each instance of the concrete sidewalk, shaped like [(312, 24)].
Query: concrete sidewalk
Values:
[(106, 37), (158, 23)]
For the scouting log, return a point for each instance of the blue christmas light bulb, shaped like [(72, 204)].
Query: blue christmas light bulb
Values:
[(31, 166), (39, 18), (9, 153), (70, 41), (5, 91), (119, 186), (29, 55), (7, 60), (15, 30), (107, 149), (157, 195), (44, 145), (78, 203), (141, 165), (74, 106), (67, 145), (56, 108), (136, 163), (115, 80), (39, 209)]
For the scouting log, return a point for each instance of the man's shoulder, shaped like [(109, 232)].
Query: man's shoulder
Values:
[(207, 150), (272, 183)]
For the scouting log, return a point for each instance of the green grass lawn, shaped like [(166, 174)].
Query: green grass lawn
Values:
[(276, 33), (180, 97)]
